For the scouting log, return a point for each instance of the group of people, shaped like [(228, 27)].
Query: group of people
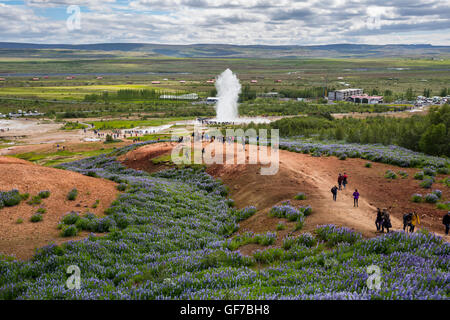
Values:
[(343, 181), (383, 220)]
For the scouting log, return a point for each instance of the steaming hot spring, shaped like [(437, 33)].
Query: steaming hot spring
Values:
[(228, 90)]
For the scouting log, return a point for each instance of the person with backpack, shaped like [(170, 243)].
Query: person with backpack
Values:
[(344, 180), (386, 221), (446, 222), (334, 191), (407, 218), (379, 219), (415, 220), (340, 180), (355, 198)]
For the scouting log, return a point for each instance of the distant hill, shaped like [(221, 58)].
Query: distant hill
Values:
[(251, 51)]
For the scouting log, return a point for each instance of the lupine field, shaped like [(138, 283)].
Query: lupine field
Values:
[(173, 235), (394, 155)]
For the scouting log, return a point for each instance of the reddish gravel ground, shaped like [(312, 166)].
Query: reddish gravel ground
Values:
[(21, 240), (315, 177)]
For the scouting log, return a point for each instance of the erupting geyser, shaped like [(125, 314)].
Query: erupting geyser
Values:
[(228, 90)]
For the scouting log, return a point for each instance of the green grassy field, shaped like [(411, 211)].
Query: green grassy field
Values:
[(58, 97), (128, 124), (54, 158)]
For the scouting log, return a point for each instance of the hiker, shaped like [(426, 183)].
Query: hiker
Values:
[(355, 198), (446, 222), (344, 180), (414, 221), (340, 180), (379, 219), (386, 221), (334, 191), (407, 218)]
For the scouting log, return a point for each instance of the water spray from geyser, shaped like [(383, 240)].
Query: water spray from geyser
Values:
[(228, 90)]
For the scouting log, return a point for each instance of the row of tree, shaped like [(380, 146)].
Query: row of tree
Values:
[(429, 134), (129, 94)]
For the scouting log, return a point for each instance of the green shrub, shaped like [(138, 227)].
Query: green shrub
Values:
[(443, 170), (299, 223), (70, 218), (431, 198), (446, 181), (342, 157), (403, 174), (390, 175), (438, 193), (36, 217), (426, 183), (83, 224), (25, 196), (95, 205), (19, 221), (300, 196), (10, 198), (41, 210), (416, 198), (69, 231), (72, 195), (281, 226), (122, 187), (44, 194), (419, 175), (429, 171), (443, 206), (230, 203), (368, 165), (245, 213), (91, 174), (35, 200)]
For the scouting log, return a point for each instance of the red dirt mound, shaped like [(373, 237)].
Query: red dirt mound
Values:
[(140, 159), (21, 239), (315, 177)]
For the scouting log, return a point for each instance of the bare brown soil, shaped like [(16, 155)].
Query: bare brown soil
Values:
[(315, 177), (21, 240), (140, 159)]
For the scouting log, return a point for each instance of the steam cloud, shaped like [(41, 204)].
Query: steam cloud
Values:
[(228, 90)]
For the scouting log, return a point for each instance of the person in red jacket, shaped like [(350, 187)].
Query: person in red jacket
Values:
[(340, 180), (344, 180)]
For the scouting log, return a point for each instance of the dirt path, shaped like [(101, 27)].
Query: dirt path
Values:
[(340, 212), (315, 176), (297, 173)]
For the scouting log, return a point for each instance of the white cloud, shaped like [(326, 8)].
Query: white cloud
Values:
[(232, 21)]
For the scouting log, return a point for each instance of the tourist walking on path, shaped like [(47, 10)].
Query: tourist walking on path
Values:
[(345, 181), (355, 198), (379, 219), (340, 180), (446, 222), (415, 220), (386, 221), (407, 218), (334, 191)]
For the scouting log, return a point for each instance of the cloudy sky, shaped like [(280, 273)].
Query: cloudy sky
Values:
[(271, 22)]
